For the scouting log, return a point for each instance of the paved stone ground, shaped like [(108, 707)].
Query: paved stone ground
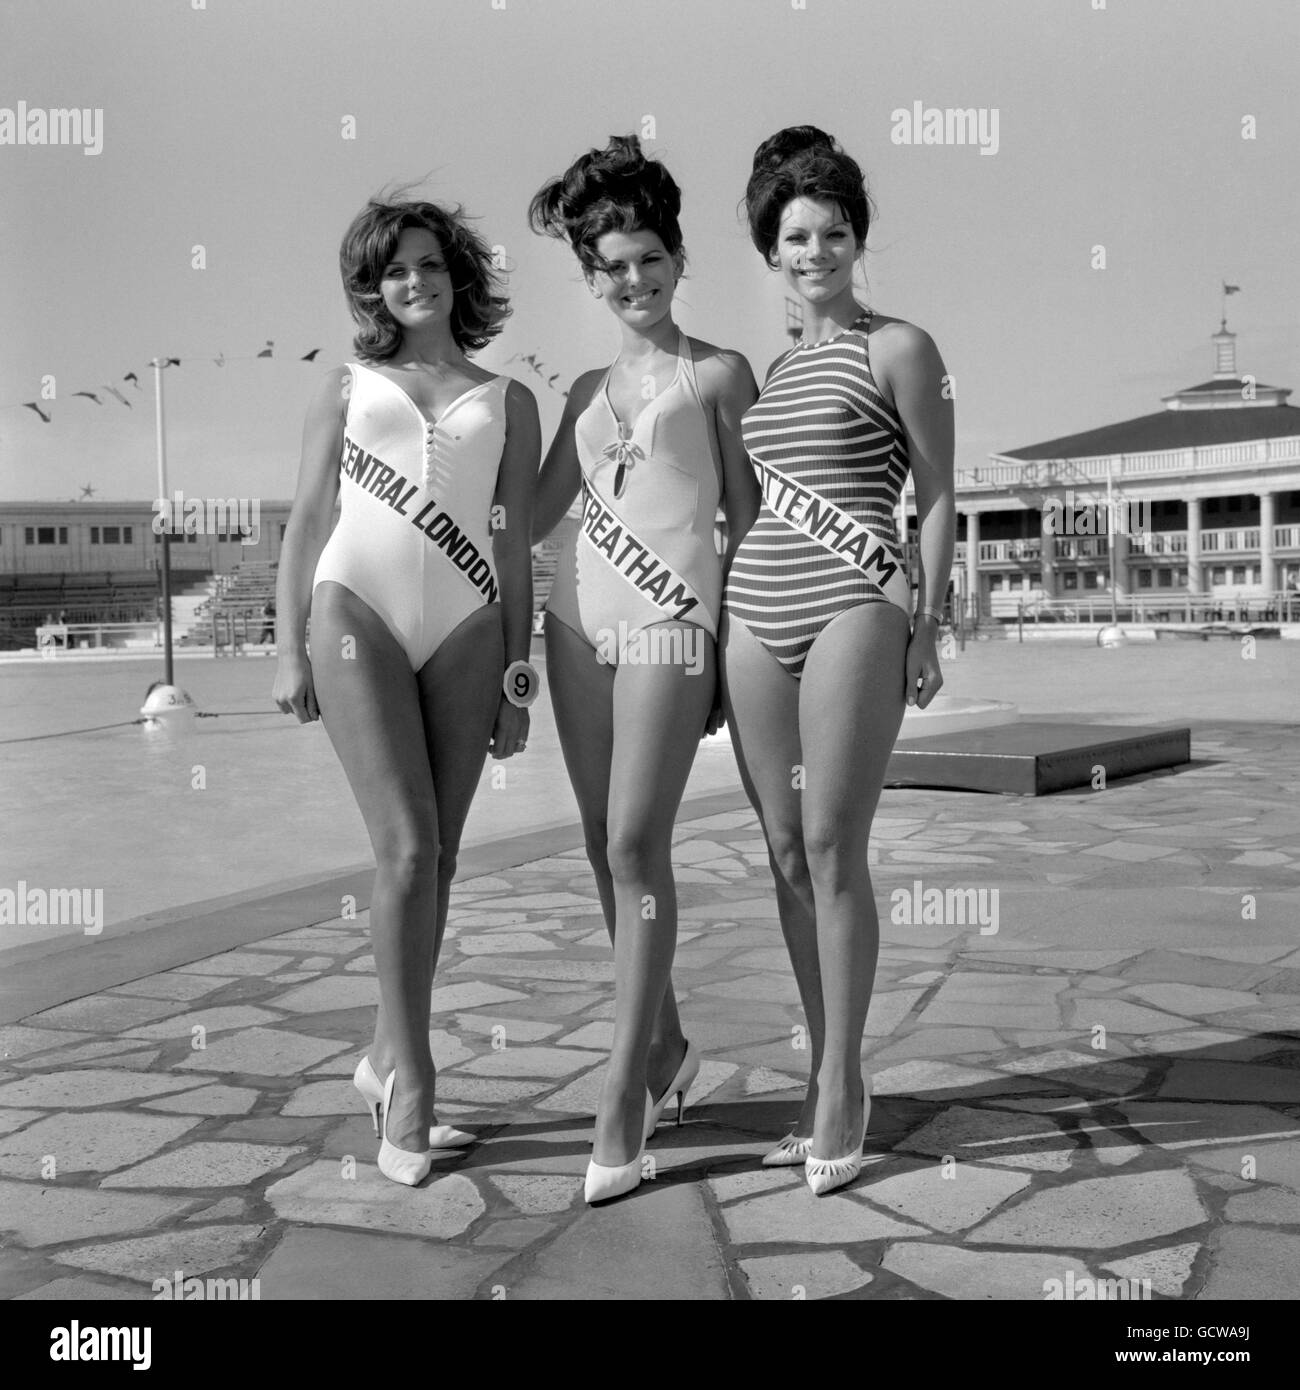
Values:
[(1107, 1086)]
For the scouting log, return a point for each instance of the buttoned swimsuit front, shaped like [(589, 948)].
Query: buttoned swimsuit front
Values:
[(413, 539), (831, 458), (644, 551)]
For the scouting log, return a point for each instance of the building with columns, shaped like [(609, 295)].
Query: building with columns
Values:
[(1205, 520)]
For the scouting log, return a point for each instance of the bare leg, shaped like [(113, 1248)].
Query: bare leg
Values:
[(460, 689), (659, 714), (582, 696), (370, 705), (761, 702), (850, 710)]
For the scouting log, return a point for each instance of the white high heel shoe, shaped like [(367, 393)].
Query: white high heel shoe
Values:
[(826, 1174), (372, 1090), (604, 1181), (401, 1165), (678, 1086), (791, 1152)]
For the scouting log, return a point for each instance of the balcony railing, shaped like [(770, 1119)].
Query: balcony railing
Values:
[(1025, 550), (1158, 543), (1173, 544), (1081, 547), (1216, 542), (1255, 453)]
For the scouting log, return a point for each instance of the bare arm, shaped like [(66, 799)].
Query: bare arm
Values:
[(736, 392), (557, 484), (513, 519), (310, 520), (312, 514), (916, 375), (910, 365)]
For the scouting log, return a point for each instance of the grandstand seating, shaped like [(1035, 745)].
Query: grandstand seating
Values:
[(28, 600)]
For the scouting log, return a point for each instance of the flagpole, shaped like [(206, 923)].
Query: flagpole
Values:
[(160, 431), (1110, 535)]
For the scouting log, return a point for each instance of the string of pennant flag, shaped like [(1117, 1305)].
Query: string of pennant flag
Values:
[(42, 407)]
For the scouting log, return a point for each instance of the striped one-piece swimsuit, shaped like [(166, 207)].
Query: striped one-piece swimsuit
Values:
[(820, 433)]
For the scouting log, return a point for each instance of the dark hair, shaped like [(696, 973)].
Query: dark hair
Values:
[(803, 162), (478, 307), (616, 189)]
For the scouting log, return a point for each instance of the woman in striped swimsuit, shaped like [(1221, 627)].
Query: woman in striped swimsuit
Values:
[(820, 650)]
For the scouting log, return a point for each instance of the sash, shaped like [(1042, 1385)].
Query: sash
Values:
[(610, 537), (374, 477), (805, 510)]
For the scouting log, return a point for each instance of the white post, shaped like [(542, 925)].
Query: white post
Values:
[(161, 433)]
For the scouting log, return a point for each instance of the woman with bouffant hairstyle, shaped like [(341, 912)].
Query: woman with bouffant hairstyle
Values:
[(418, 599), (653, 442), (821, 647)]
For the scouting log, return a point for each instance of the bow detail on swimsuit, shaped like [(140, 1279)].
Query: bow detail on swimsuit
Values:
[(625, 454)]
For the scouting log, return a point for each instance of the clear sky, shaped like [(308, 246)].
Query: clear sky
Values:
[(223, 128)]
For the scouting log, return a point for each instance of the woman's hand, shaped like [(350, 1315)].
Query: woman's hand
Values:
[(923, 675), (715, 721), (511, 733), (294, 691)]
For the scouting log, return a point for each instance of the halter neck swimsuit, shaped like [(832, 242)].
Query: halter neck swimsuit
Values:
[(644, 551)]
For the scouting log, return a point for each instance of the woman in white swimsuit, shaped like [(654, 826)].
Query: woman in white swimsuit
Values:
[(653, 443), (420, 602)]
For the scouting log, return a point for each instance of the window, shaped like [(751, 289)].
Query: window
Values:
[(1239, 574), (1218, 575), (1166, 578), (1090, 578), (29, 536), (1144, 579), (1182, 577), (94, 535), (126, 535), (1035, 579), (1070, 579), (995, 583), (112, 535), (45, 535)]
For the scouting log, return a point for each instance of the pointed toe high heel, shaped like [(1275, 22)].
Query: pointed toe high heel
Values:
[(604, 1181), (372, 1092), (401, 1165), (826, 1174), (678, 1086), (791, 1152)]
